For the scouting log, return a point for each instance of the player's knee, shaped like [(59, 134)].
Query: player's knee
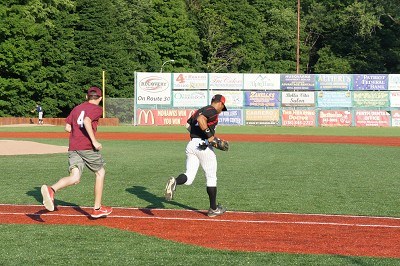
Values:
[(75, 176), (211, 181)]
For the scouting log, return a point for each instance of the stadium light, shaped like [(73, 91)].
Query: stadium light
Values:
[(168, 61)]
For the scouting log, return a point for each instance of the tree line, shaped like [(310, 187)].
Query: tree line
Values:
[(51, 51)]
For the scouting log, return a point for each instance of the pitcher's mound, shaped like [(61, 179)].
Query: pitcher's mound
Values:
[(17, 147)]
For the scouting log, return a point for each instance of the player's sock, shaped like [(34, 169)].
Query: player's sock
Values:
[(212, 195), (181, 179)]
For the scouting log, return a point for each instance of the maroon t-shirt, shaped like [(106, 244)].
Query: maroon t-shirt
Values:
[(79, 138)]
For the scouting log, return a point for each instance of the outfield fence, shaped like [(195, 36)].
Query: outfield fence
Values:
[(327, 100)]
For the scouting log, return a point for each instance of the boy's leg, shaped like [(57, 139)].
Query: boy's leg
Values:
[(98, 187), (48, 191), (73, 179), (99, 210)]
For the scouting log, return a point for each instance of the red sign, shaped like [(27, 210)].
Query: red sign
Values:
[(335, 118), (298, 118), (162, 117), (372, 118)]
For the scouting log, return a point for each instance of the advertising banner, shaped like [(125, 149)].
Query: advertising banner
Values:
[(335, 118), (333, 82), (370, 99), (395, 98), (225, 81), (298, 118), (262, 98), (262, 117), (262, 82), (162, 117), (190, 98), (334, 99), (372, 82), (396, 118), (231, 118), (298, 98), (233, 98), (297, 82), (153, 88), (190, 81), (372, 118), (394, 82)]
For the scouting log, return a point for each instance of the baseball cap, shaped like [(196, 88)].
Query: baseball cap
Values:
[(94, 91), (219, 98)]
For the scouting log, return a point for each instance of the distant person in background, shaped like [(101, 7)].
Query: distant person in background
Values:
[(84, 150), (39, 110)]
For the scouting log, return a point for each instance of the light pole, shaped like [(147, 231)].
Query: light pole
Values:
[(298, 39), (168, 61)]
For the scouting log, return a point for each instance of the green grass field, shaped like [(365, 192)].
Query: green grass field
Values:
[(269, 177)]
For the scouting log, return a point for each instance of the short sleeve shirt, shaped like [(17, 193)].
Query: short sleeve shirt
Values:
[(79, 138), (212, 120)]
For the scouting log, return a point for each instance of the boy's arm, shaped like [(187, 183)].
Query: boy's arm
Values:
[(68, 127), (87, 122)]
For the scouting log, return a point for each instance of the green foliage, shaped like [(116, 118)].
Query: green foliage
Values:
[(231, 36), (52, 51), (173, 36)]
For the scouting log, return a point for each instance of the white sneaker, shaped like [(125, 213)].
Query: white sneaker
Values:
[(170, 188)]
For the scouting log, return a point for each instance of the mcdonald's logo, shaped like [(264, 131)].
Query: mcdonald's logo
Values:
[(146, 114)]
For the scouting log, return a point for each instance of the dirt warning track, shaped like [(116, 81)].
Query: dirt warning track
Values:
[(240, 231)]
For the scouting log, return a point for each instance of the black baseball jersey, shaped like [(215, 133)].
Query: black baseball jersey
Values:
[(212, 120)]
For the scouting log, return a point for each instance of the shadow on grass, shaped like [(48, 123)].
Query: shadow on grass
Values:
[(155, 201), (35, 193)]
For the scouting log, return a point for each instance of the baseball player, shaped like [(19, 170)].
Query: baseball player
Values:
[(84, 150), (39, 110), (199, 151)]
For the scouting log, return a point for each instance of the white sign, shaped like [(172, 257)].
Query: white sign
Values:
[(297, 98), (395, 99), (394, 82), (225, 81), (190, 81), (233, 98), (190, 98), (153, 88), (262, 81)]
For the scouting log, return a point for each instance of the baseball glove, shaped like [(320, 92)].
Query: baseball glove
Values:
[(220, 144)]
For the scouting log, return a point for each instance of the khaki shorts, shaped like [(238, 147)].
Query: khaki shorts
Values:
[(92, 159)]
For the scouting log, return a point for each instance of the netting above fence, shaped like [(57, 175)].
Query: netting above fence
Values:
[(121, 108)]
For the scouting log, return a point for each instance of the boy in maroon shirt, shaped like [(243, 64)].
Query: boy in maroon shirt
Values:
[(84, 150)]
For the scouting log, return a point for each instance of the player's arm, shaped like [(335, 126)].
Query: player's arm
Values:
[(87, 122), (202, 121), (68, 127)]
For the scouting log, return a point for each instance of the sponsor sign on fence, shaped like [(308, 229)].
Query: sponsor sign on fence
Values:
[(162, 117), (372, 118), (262, 117), (270, 99), (231, 118), (334, 99), (334, 118), (298, 118), (261, 98)]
